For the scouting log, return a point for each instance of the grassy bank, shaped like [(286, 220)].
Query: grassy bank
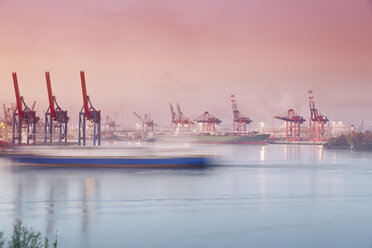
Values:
[(359, 141)]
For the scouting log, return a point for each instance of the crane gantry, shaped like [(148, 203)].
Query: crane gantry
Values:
[(88, 113), (147, 122), (293, 123), (8, 114), (54, 114), (23, 118), (316, 121), (239, 120), (208, 121), (178, 119)]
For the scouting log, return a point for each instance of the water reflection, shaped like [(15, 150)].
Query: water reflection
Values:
[(18, 201), (316, 153), (30, 192), (292, 152), (87, 203), (262, 187), (50, 218), (263, 153)]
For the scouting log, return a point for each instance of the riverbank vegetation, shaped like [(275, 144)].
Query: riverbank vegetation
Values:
[(24, 237), (359, 141)]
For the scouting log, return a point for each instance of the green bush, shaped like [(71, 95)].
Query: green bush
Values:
[(361, 141), (24, 237), (2, 241), (338, 141)]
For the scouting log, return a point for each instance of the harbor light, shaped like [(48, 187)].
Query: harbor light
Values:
[(262, 125)]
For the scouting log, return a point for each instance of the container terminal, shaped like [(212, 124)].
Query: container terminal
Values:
[(20, 125)]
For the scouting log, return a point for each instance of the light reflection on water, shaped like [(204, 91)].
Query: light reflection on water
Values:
[(258, 196)]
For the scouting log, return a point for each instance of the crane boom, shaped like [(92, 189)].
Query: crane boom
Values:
[(311, 99), (172, 112), (139, 117), (50, 95), (5, 113), (313, 110), (33, 105), (236, 112), (290, 116), (18, 97), (85, 96), (178, 109)]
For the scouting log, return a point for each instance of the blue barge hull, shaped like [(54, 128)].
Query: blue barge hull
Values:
[(111, 162)]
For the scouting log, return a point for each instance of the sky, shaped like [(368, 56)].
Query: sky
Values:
[(140, 55)]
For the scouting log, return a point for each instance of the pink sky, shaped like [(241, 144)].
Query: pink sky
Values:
[(144, 54)]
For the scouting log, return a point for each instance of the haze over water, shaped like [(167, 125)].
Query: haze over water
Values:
[(259, 196)]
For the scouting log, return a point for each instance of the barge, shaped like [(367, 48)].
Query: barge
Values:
[(104, 158)]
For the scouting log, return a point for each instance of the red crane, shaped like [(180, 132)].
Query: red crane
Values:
[(147, 122), (241, 121), (7, 120), (293, 123), (174, 119), (55, 114), (179, 119), (23, 117), (182, 119), (88, 112), (7, 114), (110, 124), (316, 122), (209, 121), (110, 128)]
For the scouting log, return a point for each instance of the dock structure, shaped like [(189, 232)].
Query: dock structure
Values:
[(26, 123), (297, 142)]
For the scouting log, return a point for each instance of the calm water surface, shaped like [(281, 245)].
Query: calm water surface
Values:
[(259, 196)]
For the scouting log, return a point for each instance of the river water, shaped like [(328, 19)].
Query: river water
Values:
[(258, 196)]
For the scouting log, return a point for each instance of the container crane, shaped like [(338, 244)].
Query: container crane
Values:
[(178, 119), (23, 118), (7, 115), (182, 119), (110, 124), (293, 123), (109, 128), (209, 121), (174, 120), (7, 121), (88, 113), (316, 121), (54, 114), (239, 120), (147, 122), (33, 105)]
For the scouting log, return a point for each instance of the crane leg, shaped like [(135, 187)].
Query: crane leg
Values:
[(28, 129), (84, 129), (65, 129)]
